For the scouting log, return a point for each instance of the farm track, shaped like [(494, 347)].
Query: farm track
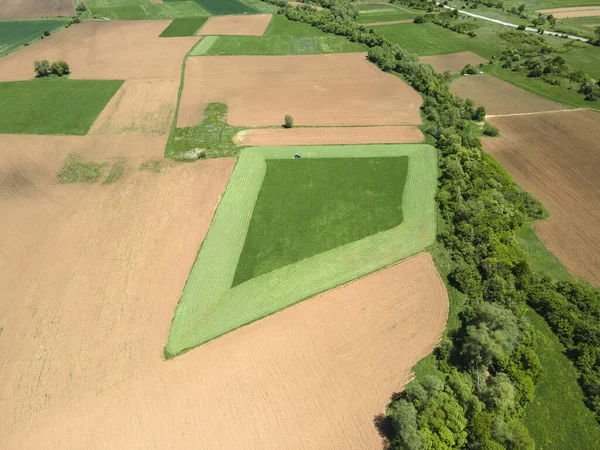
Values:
[(208, 308)]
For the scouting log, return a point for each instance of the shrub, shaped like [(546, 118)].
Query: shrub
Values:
[(469, 69), (479, 114), (81, 6), (521, 27), (60, 68), (419, 19), (42, 68), (490, 130), (46, 33), (289, 121)]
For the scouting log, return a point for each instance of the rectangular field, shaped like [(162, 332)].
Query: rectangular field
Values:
[(15, 34), (500, 97), (184, 27), (454, 62), (556, 157), (29, 9), (53, 106), (144, 10), (251, 25), (108, 50), (223, 7), (337, 89), (572, 12)]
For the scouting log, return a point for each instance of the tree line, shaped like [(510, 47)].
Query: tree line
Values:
[(489, 364)]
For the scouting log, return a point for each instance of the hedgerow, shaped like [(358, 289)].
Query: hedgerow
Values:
[(489, 364)]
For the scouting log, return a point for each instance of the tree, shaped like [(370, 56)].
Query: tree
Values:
[(479, 114), (42, 68), (490, 130), (289, 121), (60, 68), (419, 19)]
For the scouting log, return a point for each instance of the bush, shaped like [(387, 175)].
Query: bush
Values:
[(60, 68), (46, 33), (289, 121), (490, 130), (81, 6), (42, 68), (419, 19), (469, 69), (521, 27)]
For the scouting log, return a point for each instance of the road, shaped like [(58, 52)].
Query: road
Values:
[(508, 24)]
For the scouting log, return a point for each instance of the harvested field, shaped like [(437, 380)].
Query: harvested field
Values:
[(336, 89), (500, 97), (108, 50), (139, 107), (557, 158), (329, 136), (248, 389), (454, 62), (251, 25), (90, 273), (29, 9), (571, 12)]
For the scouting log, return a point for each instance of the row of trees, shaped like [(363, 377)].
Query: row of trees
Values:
[(489, 364), (44, 69)]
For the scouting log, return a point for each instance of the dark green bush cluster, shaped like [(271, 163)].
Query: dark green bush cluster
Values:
[(446, 18), (489, 364), (44, 69), (469, 69)]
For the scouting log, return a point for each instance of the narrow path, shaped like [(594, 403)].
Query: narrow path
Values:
[(535, 112), (508, 24)]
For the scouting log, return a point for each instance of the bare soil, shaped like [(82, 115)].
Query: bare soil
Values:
[(335, 89), (570, 12), (500, 97), (454, 62), (297, 379), (330, 136), (557, 158), (111, 50), (29, 9), (250, 25), (139, 107)]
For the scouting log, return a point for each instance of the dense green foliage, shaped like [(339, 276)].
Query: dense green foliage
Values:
[(16, 33), (309, 206), (53, 105), (184, 27), (77, 170), (490, 365), (44, 69)]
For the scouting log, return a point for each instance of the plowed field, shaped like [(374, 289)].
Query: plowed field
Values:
[(106, 50), (336, 89), (570, 12), (557, 158), (500, 97), (254, 25), (329, 136), (453, 62), (247, 389)]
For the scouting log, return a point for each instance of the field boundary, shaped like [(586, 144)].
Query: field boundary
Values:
[(536, 112), (199, 316)]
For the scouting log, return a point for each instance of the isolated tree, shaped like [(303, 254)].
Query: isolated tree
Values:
[(289, 121), (42, 68), (60, 68)]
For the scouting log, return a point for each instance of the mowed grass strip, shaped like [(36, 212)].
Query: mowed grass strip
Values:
[(16, 33), (203, 314), (308, 206), (184, 27), (53, 105)]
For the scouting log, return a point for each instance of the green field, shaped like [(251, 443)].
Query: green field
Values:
[(184, 27), (223, 7), (210, 307), (308, 206), (586, 59), (282, 37), (16, 33), (384, 13), (144, 10), (53, 106), (533, 5)]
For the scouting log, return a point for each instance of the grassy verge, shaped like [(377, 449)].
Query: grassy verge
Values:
[(184, 27), (53, 105), (77, 170), (16, 33), (308, 206), (209, 307)]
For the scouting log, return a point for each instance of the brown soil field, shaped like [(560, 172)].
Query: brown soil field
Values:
[(335, 89), (571, 12), (247, 389), (330, 136), (29, 9), (139, 107), (90, 274), (454, 62), (250, 25), (557, 158), (109, 50), (500, 97)]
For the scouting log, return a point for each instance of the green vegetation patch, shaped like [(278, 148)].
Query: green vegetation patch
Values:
[(224, 7), (53, 105), (77, 170), (144, 10), (184, 27), (384, 13), (152, 165), (17, 33), (213, 138), (210, 307), (308, 206), (116, 171)]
